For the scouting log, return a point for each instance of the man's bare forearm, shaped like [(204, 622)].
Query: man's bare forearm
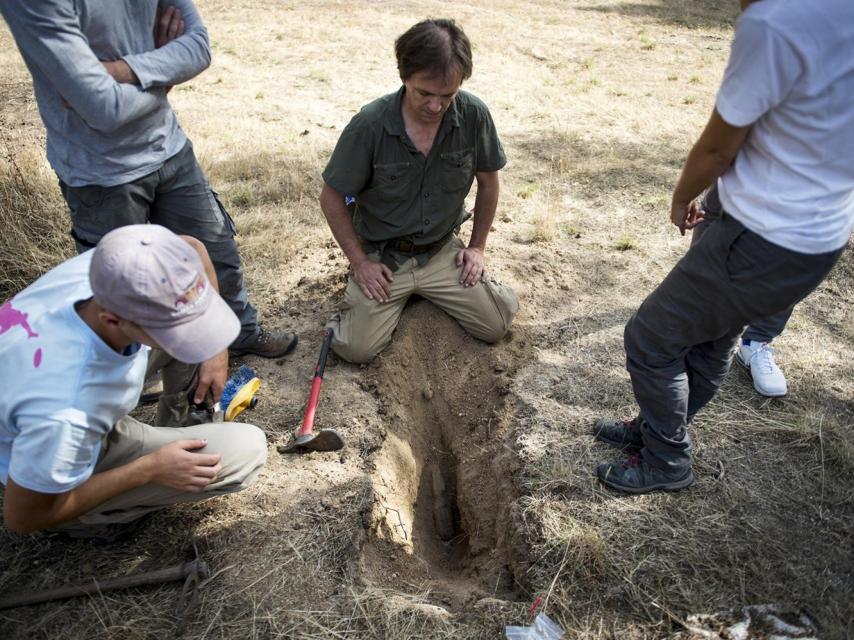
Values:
[(485, 204), (710, 157), (200, 248), (26, 511), (341, 224)]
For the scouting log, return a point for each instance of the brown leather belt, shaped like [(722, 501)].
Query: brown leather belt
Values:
[(401, 245)]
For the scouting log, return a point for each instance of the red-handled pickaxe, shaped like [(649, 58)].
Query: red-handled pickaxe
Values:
[(305, 438)]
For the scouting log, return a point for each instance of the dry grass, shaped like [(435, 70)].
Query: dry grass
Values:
[(35, 225), (596, 103)]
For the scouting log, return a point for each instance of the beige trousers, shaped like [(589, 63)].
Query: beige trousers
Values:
[(243, 448), (362, 327)]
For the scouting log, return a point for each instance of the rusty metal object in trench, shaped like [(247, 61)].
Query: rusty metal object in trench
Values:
[(443, 517)]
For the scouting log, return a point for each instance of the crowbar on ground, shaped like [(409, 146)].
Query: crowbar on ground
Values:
[(195, 569)]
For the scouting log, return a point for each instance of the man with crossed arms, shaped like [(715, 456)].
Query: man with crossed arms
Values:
[(101, 73)]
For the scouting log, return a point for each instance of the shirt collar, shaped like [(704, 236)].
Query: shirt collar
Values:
[(394, 117)]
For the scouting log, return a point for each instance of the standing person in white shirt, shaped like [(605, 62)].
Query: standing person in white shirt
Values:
[(780, 143)]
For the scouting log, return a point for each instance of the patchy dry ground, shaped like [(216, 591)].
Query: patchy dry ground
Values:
[(466, 486)]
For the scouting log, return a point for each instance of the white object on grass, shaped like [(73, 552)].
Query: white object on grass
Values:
[(543, 629)]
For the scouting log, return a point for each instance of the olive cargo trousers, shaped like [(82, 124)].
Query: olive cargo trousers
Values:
[(362, 327)]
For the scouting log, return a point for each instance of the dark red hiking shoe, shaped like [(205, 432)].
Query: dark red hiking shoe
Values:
[(623, 434), (636, 476)]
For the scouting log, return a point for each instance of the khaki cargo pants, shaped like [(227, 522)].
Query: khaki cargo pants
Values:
[(362, 327), (243, 448)]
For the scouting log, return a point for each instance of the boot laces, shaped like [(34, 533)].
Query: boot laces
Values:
[(763, 358), (632, 462), (264, 337)]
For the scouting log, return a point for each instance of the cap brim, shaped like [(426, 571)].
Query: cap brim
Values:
[(202, 337)]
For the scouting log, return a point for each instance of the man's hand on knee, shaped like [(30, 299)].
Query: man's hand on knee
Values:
[(373, 279), (472, 261), (175, 465)]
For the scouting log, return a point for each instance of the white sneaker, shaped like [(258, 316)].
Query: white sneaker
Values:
[(758, 358)]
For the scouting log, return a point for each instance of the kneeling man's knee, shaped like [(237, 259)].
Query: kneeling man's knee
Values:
[(245, 455), (494, 325), (506, 304), (491, 331), (357, 352)]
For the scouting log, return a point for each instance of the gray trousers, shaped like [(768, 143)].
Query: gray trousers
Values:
[(178, 197), (764, 329), (679, 343)]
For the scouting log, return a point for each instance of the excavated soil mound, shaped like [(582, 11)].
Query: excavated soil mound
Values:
[(442, 489)]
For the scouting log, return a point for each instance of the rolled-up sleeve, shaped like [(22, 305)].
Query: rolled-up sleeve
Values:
[(490, 151), (350, 167)]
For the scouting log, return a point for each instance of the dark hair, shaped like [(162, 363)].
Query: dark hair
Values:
[(437, 45)]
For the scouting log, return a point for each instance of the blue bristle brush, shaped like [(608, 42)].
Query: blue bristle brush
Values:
[(243, 375)]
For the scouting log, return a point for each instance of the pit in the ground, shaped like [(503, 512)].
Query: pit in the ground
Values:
[(442, 477)]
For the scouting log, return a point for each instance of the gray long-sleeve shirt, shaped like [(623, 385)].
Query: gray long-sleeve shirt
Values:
[(100, 131)]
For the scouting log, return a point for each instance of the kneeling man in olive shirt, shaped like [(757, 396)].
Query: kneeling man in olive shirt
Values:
[(407, 162)]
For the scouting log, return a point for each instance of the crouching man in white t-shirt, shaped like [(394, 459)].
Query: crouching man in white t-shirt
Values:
[(75, 348), (780, 143)]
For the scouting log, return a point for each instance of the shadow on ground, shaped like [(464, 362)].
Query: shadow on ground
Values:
[(598, 166), (694, 14)]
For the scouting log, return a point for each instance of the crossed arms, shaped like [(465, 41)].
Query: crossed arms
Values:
[(54, 46)]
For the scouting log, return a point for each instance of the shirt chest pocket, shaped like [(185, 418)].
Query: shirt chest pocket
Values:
[(457, 169), (392, 180)]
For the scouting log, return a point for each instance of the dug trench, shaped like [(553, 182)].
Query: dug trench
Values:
[(440, 523)]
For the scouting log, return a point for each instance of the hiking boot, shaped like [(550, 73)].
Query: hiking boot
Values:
[(267, 344), (758, 358), (623, 434), (637, 476)]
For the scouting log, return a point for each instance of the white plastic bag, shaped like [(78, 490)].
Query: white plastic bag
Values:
[(544, 629)]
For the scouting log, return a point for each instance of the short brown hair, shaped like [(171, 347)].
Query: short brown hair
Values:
[(436, 45)]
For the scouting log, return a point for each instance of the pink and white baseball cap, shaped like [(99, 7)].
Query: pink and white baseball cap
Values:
[(146, 274)]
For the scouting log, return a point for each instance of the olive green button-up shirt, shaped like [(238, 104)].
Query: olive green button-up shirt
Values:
[(399, 192)]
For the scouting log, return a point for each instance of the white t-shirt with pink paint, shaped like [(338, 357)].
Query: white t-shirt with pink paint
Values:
[(63, 388), (791, 76)]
